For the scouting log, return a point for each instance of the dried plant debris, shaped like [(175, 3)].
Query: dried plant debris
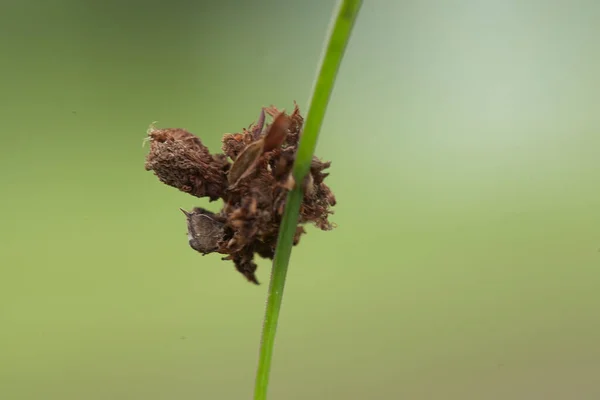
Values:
[(252, 177)]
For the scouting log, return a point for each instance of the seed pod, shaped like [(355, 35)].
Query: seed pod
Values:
[(179, 159)]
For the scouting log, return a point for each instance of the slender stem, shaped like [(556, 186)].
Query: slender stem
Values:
[(343, 22)]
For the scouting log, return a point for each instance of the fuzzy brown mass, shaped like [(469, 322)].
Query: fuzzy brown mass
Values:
[(252, 177)]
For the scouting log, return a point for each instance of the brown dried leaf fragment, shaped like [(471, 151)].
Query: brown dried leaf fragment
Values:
[(245, 163), (248, 159), (258, 127), (277, 132), (244, 264)]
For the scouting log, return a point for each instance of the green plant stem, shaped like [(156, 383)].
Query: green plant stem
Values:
[(339, 35)]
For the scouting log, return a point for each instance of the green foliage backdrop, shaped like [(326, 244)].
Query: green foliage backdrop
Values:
[(464, 137)]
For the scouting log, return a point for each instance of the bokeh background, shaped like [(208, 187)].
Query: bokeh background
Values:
[(464, 137)]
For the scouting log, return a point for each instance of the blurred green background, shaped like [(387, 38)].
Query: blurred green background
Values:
[(464, 137)]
